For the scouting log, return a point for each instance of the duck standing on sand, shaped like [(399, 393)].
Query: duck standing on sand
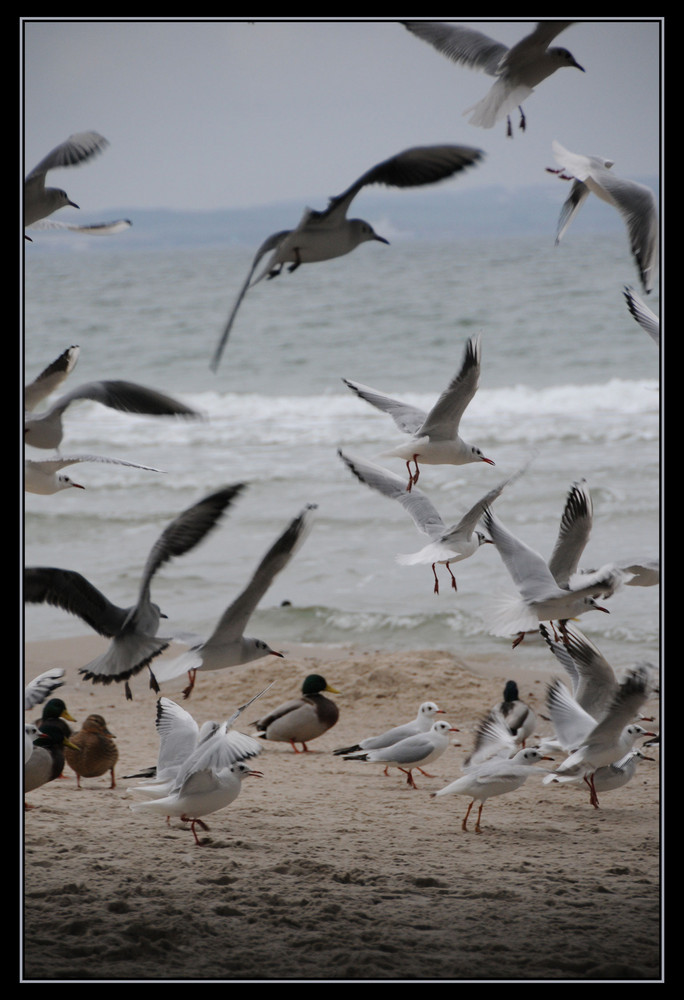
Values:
[(301, 719), (46, 761), (92, 751)]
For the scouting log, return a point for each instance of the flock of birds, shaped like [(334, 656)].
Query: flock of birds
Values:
[(200, 769)]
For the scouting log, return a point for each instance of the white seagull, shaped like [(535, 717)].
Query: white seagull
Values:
[(448, 544), (518, 70), (593, 744), (89, 229), (201, 791), (635, 203), (540, 597), (421, 724), (644, 316), (411, 752), (180, 739), (44, 429), (44, 476), (50, 378), (39, 201), (435, 435), (494, 777), (133, 630), (228, 646), (328, 234)]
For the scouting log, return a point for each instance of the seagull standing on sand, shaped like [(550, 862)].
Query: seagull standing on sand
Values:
[(447, 544), (44, 429), (209, 778), (434, 436), (329, 234), (412, 752), (44, 476), (41, 201), (133, 630), (635, 203), (228, 646), (518, 70), (494, 777), (421, 724)]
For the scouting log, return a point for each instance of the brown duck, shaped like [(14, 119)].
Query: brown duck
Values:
[(97, 752)]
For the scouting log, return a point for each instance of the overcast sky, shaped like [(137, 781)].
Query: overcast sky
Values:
[(221, 114)]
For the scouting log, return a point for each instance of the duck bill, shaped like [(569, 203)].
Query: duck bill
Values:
[(332, 690)]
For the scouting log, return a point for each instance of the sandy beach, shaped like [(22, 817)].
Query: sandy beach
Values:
[(326, 869)]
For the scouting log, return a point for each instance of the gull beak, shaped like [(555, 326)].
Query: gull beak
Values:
[(577, 66), (381, 239), (274, 652), (254, 774), (487, 541), (73, 204), (78, 486), (547, 758), (598, 607), (488, 461)]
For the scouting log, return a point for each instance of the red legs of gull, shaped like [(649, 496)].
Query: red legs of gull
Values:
[(409, 780), (453, 578), (413, 476), (191, 677), (426, 773), (464, 824), (193, 823), (593, 797)]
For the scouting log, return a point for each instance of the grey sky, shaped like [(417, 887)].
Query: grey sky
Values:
[(219, 114)]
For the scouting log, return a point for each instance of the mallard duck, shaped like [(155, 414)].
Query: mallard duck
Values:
[(56, 711), (46, 761), (517, 714), (301, 719), (92, 751)]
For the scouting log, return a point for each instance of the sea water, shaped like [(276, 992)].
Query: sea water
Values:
[(567, 376)]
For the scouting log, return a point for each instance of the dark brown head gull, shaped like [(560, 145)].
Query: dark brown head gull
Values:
[(635, 202), (329, 234), (133, 630), (44, 429), (228, 646), (518, 69), (41, 201), (434, 436)]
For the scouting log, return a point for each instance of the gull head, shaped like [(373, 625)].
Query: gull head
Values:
[(479, 457), (565, 58), (65, 482), (482, 539), (363, 231)]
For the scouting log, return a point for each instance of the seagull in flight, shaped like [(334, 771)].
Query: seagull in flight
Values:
[(635, 202), (41, 201), (46, 477), (448, 544), (44, 429), (51, 378), (518, 70), (133, 630), (434, 436), (644, 316), (228, 646), (328, 234)]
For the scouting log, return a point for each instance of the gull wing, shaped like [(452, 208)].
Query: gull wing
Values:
[(573, 534), (445, 416), (408, 418)]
